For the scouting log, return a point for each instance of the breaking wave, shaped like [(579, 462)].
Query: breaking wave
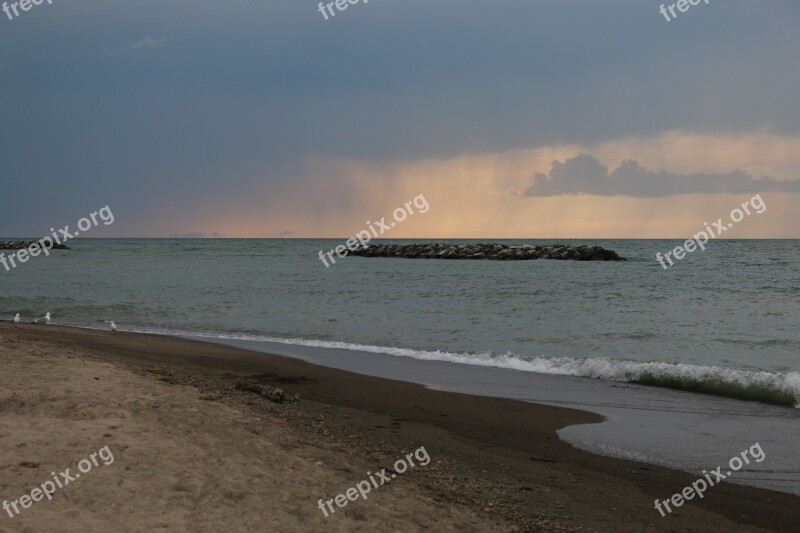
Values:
[(778, 388)]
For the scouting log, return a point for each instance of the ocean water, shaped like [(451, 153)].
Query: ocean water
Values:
[(723, 321)]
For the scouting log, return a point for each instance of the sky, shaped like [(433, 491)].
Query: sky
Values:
[(514, 118)]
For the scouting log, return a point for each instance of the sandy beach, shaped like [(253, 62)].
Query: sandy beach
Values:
[(194, 453)]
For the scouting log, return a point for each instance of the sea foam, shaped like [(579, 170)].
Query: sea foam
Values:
[(779, 388)]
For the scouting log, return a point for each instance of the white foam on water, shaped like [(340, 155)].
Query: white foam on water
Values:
[(769, 387)]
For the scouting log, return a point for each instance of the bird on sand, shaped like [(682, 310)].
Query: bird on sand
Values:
[(16, 319), (113, 326), (45, 318)]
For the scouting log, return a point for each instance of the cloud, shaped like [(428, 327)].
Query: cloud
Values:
[(585, 175), (149, 42)]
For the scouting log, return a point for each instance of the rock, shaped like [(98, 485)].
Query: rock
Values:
[(19, 245), (484, 251), (271, 393)]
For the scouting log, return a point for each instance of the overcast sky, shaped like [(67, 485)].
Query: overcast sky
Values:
[(515, 118)]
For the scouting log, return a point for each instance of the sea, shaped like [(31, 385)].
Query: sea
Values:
[(703, 357)]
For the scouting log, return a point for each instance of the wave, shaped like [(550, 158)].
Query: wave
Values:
[(777, 388)]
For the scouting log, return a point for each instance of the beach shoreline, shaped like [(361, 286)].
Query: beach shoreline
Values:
[(499, 459)]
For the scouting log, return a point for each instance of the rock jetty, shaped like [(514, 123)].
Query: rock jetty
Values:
[(495, 252), (19, 245)]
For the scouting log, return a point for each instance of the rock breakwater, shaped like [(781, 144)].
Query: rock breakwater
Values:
[(20, 245), (495, 252)]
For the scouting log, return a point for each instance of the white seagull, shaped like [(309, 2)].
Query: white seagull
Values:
[(46, 319), (113, 326), (16, 319)]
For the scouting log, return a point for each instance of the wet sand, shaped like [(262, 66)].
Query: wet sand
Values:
[(194, 453)]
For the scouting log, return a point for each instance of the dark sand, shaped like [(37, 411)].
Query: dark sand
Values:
[(499, 458)]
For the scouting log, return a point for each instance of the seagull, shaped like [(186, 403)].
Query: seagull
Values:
[(16, 319), (46, 319), (113, 326)]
